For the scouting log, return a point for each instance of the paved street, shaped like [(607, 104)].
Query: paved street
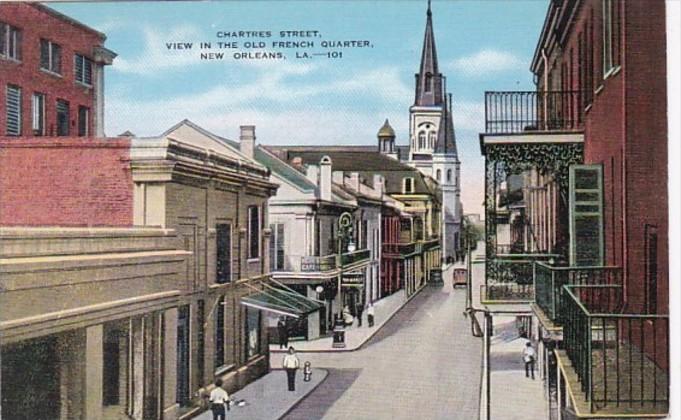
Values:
[(423, 364)]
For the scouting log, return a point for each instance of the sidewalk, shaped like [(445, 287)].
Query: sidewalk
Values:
[(356, 336), (268, 397), (513, 396)]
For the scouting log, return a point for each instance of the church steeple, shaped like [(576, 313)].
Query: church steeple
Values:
[(429, 79), (446, 140)]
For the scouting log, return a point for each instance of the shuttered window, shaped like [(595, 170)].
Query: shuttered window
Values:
[(586, 215), (224, 253), (62, 117), (83, 69), (13, 117), (277, 247)]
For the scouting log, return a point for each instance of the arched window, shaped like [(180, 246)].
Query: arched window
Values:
[(431, 139), (449, 175), (422, 140), (438, 175)]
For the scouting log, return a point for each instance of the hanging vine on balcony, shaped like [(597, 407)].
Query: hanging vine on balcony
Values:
[(547, 158)]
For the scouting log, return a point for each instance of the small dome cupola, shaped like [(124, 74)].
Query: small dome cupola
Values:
[(386, 138)]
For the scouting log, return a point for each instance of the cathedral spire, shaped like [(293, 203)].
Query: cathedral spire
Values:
[(429, 79), (446, 140)]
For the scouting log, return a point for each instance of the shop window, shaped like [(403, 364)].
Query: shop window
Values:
[(253, 322)]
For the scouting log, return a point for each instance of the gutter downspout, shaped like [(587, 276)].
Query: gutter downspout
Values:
[(625, 241)]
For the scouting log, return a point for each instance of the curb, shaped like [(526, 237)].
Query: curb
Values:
[(367, 338), (302, 397)]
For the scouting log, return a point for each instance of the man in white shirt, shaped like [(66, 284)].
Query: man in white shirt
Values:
[(291, 365), (528, 358), (370, 314), (218, 399)]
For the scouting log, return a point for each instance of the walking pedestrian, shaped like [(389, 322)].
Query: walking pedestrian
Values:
[(218, 400), (291, 365), (528, 358), (370, 314), (283, 333), (360, 311)]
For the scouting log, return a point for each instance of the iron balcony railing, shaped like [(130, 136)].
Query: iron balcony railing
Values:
[(401, 249), (621, 360), (549, 281), (516, 112), (354, 257), (430, 244), (511, 277), (506, 293), (310, 263)]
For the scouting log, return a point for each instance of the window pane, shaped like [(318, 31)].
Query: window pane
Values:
[(56, 58), (220, 333), (87, 71), (83, 121), (3, 38), (62, 118), (252, 332), (79, 67), (254, 232), (44, 54), (224, 253), (38, 114)]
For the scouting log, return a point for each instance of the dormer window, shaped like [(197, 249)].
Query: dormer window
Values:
[(408, 185)]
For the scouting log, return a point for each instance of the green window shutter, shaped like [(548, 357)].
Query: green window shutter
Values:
[(586, 215)]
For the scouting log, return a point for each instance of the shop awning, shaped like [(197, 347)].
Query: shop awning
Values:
[(282, 302)]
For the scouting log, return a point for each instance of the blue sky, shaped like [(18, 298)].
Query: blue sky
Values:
[(481, 45)]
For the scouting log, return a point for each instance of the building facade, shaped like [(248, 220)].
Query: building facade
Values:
[(215, 197), (52, 74), (592, 154)]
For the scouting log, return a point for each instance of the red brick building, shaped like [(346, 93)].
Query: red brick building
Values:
[(51, 74), (591, 146)]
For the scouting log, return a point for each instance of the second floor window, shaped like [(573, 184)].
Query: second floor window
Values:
[(62, 117), (223, 242), (13, 116), (10, 41), (253, 232), (277, 247), (83, 70), (50, 56), (38, 114), (83, 121)]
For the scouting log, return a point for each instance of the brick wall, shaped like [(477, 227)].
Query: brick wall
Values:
[(65, 181), (36, 23)]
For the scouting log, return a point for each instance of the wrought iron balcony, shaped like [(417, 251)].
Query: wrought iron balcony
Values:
[(517, 112), (310, 263), (621, 361), (354, 257), (429, 244), (549, 281), (510, 278), (400, 249)]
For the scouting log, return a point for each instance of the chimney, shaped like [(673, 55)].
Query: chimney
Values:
[(379, 185), (354, 181), (312, 173), (247, 138), (325, 178)]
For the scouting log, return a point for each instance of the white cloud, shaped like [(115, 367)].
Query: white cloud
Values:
[(156, 56), (486, 61)]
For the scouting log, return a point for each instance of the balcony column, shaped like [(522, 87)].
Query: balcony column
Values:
[(490, 209), (94, 371)]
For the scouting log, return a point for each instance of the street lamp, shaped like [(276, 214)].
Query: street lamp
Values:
[(345, 234)]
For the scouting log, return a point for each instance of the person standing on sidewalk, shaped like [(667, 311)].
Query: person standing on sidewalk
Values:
[(360, 311), (291, 365), (283, 333), (528, 358), (370, 314), (218, 400)]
